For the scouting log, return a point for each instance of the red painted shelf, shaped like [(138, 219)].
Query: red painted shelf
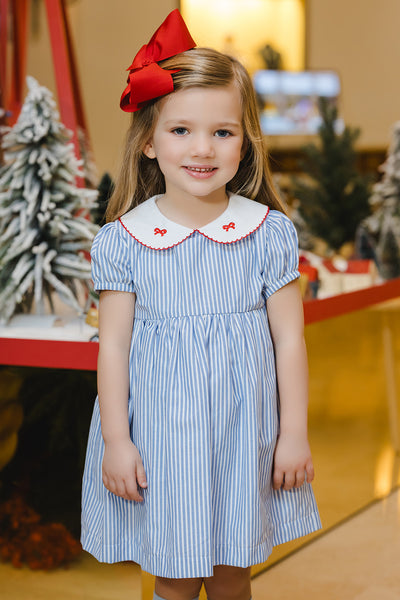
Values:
[(83, 355), (335, 306), (54, 354)]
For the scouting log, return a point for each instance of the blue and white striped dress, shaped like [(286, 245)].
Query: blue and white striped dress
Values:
[(203, 404)]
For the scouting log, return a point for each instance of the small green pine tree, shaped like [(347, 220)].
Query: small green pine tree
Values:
[(334, 199), (105, 189)]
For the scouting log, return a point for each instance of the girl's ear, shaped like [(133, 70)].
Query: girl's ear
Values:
[(148, 150)]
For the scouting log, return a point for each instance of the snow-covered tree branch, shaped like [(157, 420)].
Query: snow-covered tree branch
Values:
[(379, 235), (45, 233)]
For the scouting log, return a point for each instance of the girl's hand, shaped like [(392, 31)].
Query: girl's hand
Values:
[(292, 462), (123, 470)]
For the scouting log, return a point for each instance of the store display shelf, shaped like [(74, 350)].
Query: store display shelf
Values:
[(54, 354), (82, 355), (335, 306)]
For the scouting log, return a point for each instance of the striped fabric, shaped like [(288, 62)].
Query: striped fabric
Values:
[(203, 405)]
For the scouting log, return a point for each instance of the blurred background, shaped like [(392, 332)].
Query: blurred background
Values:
[(358, 40), (326, 77)]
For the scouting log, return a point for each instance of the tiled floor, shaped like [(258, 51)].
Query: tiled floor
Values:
[(358, 560), (356, 464)]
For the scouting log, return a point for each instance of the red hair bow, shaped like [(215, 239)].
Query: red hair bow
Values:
[(147, 80)]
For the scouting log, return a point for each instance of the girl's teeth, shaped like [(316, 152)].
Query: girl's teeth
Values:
[(200, 170)]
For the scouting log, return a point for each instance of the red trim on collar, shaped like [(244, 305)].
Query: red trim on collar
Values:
[(192, 232), (151, 247), (238, 239)]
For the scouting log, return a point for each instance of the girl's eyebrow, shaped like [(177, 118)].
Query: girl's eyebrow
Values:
[(218, 125), (229, 124), (176, 122)]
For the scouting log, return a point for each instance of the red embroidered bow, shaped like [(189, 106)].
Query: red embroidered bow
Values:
[(231, 225), (147, 80), (160, 231)]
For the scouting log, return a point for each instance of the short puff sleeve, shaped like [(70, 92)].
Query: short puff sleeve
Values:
[(282, 253), (112, 262)]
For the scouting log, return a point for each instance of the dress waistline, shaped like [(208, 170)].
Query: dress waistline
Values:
[(200, 315)]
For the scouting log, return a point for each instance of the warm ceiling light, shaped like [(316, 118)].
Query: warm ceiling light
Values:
[(243, 27)]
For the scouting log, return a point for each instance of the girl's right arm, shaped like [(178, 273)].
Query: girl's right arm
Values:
[(122, 466)]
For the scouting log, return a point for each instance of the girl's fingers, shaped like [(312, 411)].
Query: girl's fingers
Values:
[(141, 475), (110, 484), (300, 478), (290, 480), (120, 488), (132, 492), (310, 472), (278, 479), (125, 489), (123, 475)]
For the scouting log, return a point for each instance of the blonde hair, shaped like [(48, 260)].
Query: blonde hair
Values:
[(140, 177)]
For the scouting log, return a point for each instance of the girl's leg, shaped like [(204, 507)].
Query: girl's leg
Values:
[(228, 583), (157, 597), (177, 589)]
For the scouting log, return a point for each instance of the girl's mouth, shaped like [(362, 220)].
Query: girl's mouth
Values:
[(201, 169), (200, 172)]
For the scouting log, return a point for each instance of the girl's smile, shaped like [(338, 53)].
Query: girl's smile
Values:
[(200, 172), (198, 141)]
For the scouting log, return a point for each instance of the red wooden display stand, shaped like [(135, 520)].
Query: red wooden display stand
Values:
[(14, 16), (83, 355)]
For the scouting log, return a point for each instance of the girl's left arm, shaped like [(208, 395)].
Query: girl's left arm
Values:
[(292, 459)]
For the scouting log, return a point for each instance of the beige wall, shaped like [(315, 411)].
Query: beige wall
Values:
[(358, 38)]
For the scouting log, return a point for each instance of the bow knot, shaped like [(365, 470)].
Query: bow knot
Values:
[(147, 80), (160, 231)]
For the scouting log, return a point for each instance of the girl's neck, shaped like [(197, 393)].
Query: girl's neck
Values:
[(194, 213)]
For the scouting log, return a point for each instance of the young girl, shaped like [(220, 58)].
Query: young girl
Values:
[(195, 466)]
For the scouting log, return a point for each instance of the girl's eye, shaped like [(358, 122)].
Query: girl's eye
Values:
[(222, 133), (179, 131)]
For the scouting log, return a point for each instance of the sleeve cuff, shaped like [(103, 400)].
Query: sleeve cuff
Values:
[(102, 286), (280, 283)]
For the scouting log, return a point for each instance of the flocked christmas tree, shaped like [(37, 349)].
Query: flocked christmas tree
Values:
[(379, 234), (334, 197), (44, 232)]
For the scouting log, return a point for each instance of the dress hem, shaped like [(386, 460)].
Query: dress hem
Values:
[(179, 567)]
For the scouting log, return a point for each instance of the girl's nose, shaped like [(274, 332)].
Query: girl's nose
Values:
[(202, 146)]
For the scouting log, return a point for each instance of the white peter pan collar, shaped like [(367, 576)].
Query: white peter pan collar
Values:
[(147, 224)]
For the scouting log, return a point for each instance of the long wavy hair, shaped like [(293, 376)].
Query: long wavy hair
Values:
[(140, 177)]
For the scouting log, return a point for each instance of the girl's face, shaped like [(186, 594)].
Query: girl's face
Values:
[(198, 141)]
